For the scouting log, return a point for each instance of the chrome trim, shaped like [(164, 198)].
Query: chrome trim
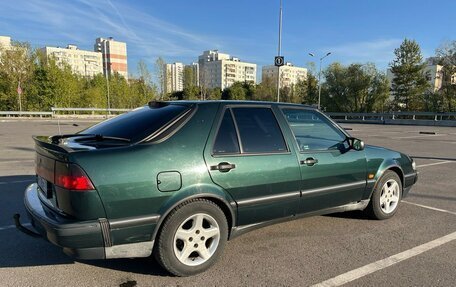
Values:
[(133, 221), (334, 188), (371, 181), (139, 249), (268, 198)]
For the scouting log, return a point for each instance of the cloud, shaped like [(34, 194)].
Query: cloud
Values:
[(378, 51), (52, 22)]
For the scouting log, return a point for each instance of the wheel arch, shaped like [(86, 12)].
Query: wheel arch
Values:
[(392, 165), (208, 192)]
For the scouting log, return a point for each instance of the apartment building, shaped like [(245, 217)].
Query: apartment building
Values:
[(290, 75), (174, 77), (82, 62), (114, 54), (220, 70), (5, 42)]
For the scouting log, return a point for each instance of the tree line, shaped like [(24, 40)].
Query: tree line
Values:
[(357, 87)]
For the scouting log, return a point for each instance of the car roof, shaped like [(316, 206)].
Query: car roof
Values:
[(237, 102)]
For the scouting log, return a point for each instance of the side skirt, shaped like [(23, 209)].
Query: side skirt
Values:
[(239, 230)]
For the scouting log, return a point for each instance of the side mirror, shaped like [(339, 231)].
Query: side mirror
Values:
[(356, 144)]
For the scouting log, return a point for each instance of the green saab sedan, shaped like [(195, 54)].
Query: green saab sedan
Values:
[(179, 179)]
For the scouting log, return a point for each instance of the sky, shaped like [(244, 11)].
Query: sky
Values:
[(354, 31)]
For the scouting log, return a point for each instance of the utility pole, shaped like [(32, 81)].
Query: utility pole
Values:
[(107, 77), (279, 52)]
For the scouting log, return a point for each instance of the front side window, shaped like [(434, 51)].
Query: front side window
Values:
[(312, 130), (259, 131)]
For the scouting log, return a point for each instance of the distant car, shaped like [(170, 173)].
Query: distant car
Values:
[(179, 179)]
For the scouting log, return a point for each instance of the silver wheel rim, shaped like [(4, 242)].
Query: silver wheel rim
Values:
[(196, 239), (389, 198)]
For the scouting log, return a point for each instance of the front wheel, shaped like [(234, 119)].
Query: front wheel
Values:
[(386, 197), (192, 238)]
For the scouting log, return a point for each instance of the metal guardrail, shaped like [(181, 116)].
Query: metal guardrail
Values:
[(394, 116), (87, 110), (27, 114)]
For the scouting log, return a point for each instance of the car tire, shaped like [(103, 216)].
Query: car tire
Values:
[(386, 196), (192, 238)]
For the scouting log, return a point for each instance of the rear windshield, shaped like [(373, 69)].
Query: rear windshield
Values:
[(139, 123)]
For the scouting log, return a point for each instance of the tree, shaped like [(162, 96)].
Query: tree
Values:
[(236, 91), (160, 69), (16, 69), (409, 82), (355, 88), (446, 54), (189, 77)]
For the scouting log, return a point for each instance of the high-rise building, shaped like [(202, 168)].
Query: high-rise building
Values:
[(82, 62), (290, 75), (114, 56), (219, 70), (195, 73), (174, 77)]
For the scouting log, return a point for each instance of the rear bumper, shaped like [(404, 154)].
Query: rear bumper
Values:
[(80, 239)]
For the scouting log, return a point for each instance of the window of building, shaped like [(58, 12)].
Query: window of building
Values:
[(313, 131)]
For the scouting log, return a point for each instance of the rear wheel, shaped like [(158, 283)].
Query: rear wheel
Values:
[(386, 197), (192, 238)]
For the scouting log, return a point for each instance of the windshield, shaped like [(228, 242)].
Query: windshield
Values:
[(137, 124)]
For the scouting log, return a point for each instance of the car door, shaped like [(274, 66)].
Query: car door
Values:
[(332, 173), (248, 156)]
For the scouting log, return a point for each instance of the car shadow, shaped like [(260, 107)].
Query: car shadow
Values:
[(355, 214)]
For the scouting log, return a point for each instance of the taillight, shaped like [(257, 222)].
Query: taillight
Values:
[(71, 177)]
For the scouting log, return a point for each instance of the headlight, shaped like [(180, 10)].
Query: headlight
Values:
[(413, 164)]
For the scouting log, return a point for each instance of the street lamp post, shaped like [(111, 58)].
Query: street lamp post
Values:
[(319, 76)]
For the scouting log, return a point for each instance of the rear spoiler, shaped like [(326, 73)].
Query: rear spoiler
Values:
[(45, 142)]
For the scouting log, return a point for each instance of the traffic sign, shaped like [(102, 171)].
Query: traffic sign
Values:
[(279, 61)]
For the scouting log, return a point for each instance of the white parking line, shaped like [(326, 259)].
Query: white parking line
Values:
[(434, 163), (384, 263), (429, 207), (12, 226)]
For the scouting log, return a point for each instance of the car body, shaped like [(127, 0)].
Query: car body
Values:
[(114, 189)]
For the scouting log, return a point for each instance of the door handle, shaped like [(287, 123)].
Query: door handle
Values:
[(310, 161), (223, 166)]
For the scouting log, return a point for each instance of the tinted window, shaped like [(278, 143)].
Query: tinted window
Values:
[(312, 130), (259, 130), (137, 124), (226, 141)]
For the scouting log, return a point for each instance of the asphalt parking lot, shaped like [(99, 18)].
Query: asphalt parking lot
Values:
[(417, 247)]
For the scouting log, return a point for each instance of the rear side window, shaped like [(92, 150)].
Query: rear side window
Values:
[(259, 130), (226, 141), (139, 123)]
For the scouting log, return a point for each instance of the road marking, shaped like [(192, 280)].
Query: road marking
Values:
[(421, 136), (429, 207), (384, 263), (434, 163), (12, 226), (17, 161), (16, 181)]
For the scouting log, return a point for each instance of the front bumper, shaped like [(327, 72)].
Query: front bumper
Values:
[(409, 180)]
